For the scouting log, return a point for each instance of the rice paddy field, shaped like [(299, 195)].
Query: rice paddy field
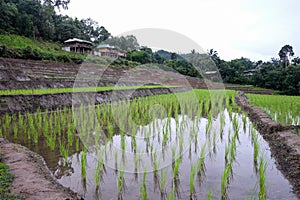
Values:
[(283, 109), (190, 145)]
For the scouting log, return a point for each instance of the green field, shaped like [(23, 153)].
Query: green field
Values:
[(70, 90), (282, 109)]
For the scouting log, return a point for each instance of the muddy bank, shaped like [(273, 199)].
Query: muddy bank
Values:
[(30, 103), (283, 139), (32, 178)]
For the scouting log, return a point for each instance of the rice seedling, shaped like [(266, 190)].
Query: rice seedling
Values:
[(262, 178), (287, 113), (83, 164), (176, 168), (255, 149), (98, 173), (192, 180), (224, 181), (200, 164)]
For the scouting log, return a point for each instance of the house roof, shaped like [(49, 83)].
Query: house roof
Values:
[(210, 72), (78, 40), (101, 46)]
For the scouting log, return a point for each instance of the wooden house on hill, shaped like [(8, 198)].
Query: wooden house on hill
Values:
[(106, 50), (78, 46)]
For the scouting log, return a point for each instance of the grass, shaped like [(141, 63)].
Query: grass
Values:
[(285, 113), (71, 90), (6, 179)]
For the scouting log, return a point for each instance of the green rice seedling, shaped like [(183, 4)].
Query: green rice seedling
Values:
[(262, 178), (244, 121), (176, 168), (143, 190), (256, 149), (83, 164), (98, 173), (63, 151), (121, 182), (192, 179), (287, 113), (15, 131), (224, 181)]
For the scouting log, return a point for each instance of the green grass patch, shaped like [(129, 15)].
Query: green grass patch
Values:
[(71, 90), (6, 179), (15, 46)]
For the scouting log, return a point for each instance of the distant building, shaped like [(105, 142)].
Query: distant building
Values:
[(106, 50), (210, 74), (250, 72), (78, 46)]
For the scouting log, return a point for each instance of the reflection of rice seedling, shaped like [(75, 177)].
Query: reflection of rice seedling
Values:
[(209, 194), (163, 181), (262, 178), (171, 195), (143, 191), (98, 173), (155, 164), (120, 182)]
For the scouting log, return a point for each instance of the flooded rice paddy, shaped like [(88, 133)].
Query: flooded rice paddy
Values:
[(192, 145)]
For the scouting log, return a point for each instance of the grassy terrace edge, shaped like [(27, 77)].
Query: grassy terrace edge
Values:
[(79, 89)]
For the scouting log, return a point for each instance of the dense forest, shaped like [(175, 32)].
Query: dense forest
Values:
[(38, 19)]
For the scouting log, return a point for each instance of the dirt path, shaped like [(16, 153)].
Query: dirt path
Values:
[(283, 140), (33, 179)]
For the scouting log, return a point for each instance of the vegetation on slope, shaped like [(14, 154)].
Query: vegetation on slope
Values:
[(14, 46)]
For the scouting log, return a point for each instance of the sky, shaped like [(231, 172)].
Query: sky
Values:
[(255, 29)]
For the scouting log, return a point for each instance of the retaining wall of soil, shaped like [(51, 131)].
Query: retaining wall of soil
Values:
[(283, 140), (30, 103)]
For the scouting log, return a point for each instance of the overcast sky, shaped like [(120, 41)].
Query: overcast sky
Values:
[(255, 29)]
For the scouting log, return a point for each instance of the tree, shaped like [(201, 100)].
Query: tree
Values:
[(58, 3), (285, 53), (296, 61), (173, 56), (125, 43)]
